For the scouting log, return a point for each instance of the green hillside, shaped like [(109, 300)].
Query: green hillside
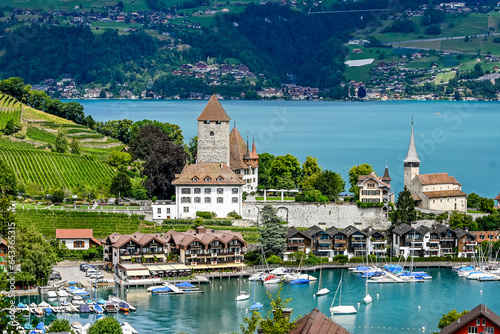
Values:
[(51, 169), (9, 109)]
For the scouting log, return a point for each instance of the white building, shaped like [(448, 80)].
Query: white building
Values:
[(77, 239)]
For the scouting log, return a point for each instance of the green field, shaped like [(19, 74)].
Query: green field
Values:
[(51, 169), (102, 224), (38, 134), (87, 5), (9, 109)]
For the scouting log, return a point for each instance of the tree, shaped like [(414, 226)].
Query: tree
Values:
[(61, 145), (330, 184), (463, 221), (272, 232), (5, 320), (107, 325), (75, 146), (285, 182), (310, 167), (16, 88), (274, 322), (120, 184), (59, 326), (147, 136), (457, 96), (265, 162), (473, 201), (405, 211), (7, 216), (10, 128), (8, 180), (192, 148), (450, 317), (58, 196), (286, 165), (34, 252), (433, 30), (361, 92), (165, 160), (117, 158), (354, 173)]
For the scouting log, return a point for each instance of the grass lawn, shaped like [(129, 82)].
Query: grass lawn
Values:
[(273, 198), (474, 211), (444, 77), (358, 74), (473, 45)]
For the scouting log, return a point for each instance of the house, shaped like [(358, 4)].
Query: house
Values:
[(466, 243), (437, 191), (374, 189), (296, 241), (135, 248), (376, 242), (4, 251), (203, 248), (409, 241), (316, 322), (339, 241), (356, 245), (498, 201), (492, 236), (321, 241), (480, 319), (77, 239)]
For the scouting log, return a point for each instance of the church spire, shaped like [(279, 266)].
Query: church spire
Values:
[(411, 156)]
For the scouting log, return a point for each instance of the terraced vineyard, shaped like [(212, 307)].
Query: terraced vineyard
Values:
[(102, 223), (9, 109), (51, 169)]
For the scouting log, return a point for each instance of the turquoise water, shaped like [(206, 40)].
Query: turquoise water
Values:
[(395, 307), (460, 138)]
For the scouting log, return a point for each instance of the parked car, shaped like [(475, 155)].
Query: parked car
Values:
[(83, 265), (55, 275), (88, 267), (92, 272), (96, 276)]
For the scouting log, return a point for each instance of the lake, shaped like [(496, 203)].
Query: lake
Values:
[(460, 138), (396, 308)]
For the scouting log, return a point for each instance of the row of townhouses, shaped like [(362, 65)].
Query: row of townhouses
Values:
[(140, 255)]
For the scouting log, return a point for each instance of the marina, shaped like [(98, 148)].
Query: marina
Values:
[(394, 306)]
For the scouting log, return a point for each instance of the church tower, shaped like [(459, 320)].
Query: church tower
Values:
[(411, 162), (213, 134)]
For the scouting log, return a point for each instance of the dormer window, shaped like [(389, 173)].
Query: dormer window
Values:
[(207, 179), (220, 179), (218, 122), (211, 133), (195, 179), (206, 122)]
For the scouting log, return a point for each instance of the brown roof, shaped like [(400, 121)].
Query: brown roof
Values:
[(316, 322), (445, 193), (437, 178), (480, 310), (74, 233), (237, 150), (498, 197), (372, 176), (416, 197), (117, 240), (186, 238), (208, 174), (213, 111)]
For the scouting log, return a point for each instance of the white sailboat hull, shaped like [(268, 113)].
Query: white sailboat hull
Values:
[(343, 309), (272, 281), (243, 296), (368, 299), (322, 292)]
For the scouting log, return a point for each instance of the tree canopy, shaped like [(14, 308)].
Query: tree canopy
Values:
[(272, 232), (449, 317), (354, 173), (285, 166), (106, 325), (8, 180), (405, 211)]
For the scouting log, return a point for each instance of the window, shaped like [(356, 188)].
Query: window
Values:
[(186, 209), (158, 211), (208, 179), (218, 122), (220, 200), (472, 330), (78, 244), (195, 179), (235, 200), (208, 191), (478, 322), (206, 122), (489, 330), (186, 191), (484, 321), (220, 179), (234, 190), (197, 199), (220, 191), (168, 210), (197, 190), (211, 134), (186, 200)]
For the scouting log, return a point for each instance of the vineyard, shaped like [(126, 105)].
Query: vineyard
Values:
[(51, 169), (9, 109), (102, 223)]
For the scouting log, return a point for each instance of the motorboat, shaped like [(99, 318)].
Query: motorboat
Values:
[(77, 301), (360, 269), (51, 294), (111, 307), (98, 308), (186, 286), (271, 279), (125, 307), (62, 293), (84, 308)]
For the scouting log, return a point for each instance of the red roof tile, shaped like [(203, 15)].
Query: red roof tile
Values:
[(213, 111), (316, 322), (74, 233), (237, 150), (437, 178), (498, 197), (207, 174), (445, 193)]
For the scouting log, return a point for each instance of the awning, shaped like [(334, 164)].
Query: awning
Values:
[(138, 273), (126, 258), (149, 256), (179, 266), (155, 268), (165, 267), (161, 256), (200, 266)]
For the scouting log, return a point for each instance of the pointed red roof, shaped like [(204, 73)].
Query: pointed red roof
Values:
[(213, 111), (254, 154), (498, 197), (237, 150)]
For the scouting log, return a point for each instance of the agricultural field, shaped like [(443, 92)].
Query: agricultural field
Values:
[(51, 169), (9, 109), (102, 223)]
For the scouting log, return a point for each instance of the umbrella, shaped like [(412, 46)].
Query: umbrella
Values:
[(48, 310), (21, 305), (40, 326), (185, 285), (162, 289)]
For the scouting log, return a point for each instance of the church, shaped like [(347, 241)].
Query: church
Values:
[(225, 169), (437, 191)]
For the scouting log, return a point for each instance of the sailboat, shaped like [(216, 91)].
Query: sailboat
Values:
[(341, 309), (368, 299), (242, 295), (321, 291), (299, 279), (255, 305)]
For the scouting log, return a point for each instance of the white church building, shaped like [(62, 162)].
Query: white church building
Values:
[(225, 168)]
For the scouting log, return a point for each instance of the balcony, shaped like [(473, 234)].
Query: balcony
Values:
[(324, 248), (414, 240), (193, 255), (471, 243), (447, 239), (379, 242), (296, 244)]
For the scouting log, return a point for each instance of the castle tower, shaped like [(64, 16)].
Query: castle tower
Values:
[(411, 162), (213, 134), (386, 178)]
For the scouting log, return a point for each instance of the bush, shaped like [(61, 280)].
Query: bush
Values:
[(205, 214), (433, 30), (369, 205), (233, 215), (496, 40)]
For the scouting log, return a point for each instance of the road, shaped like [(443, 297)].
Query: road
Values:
[(438, 39)]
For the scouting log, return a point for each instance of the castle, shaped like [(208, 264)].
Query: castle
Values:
[(437, 191), (225, 169)]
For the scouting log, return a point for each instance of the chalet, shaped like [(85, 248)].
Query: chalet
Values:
[(466, 243), (296, 241), (498, 201), (321, 241), (356, 241), (339, 241), (376, 242), (203, 248), (479, 320), (77, 239), (374, 189), (492, 236)]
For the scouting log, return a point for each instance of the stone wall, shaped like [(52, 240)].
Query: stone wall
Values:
[(325, 215), (213, 143)]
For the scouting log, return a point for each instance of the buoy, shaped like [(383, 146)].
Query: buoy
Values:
[(220, 287), (481, 291), (377, 295), (419, 307), (359, 304), (246, 310), (423, 328)]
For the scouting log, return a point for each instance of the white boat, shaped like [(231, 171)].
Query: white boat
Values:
[(321, 291), (341, 309), (257, 276), (368, 299), (242, 295), (51, 294), (271, 279), (128, 329), (62, 293)]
